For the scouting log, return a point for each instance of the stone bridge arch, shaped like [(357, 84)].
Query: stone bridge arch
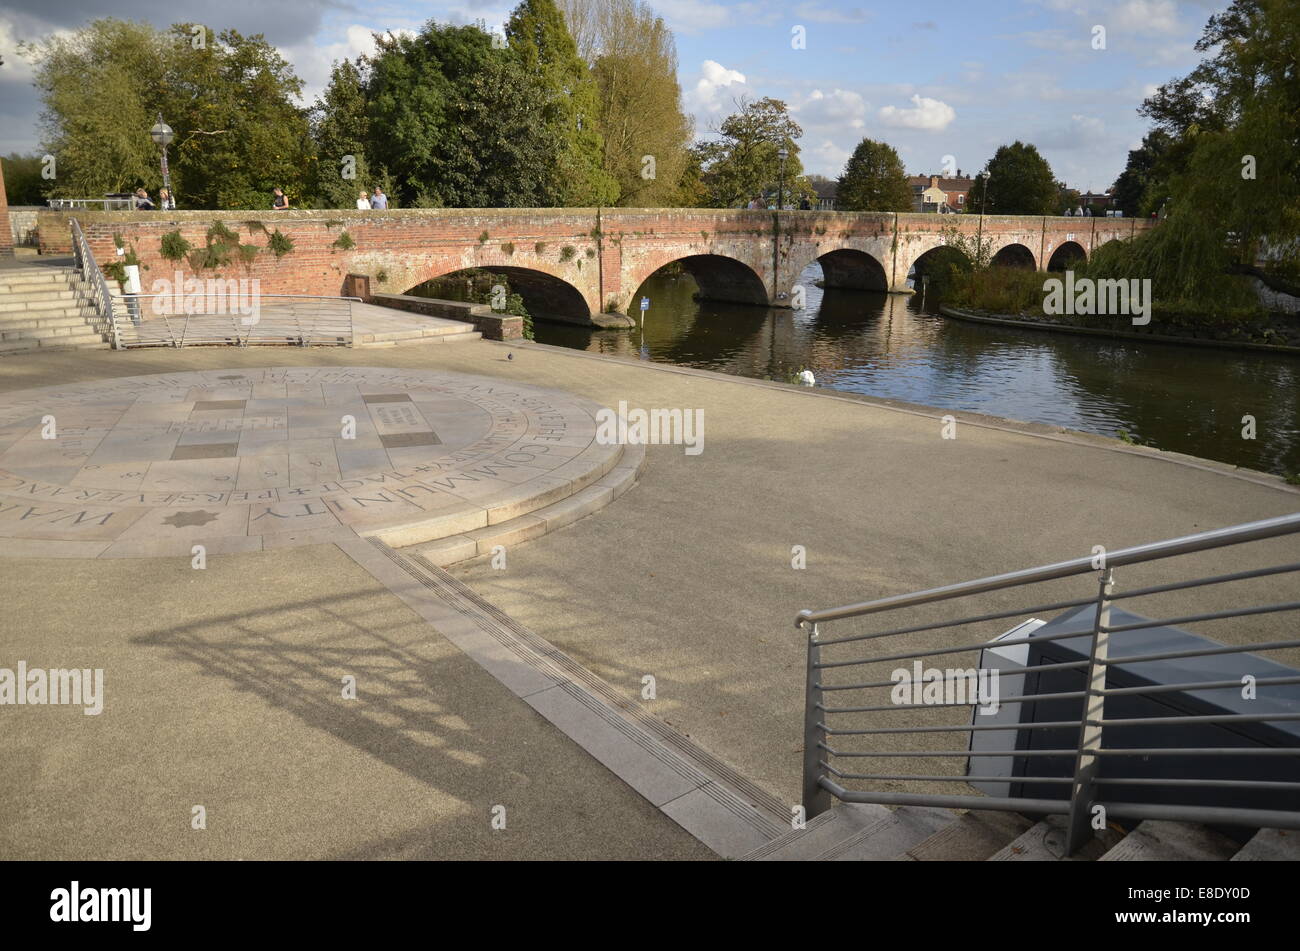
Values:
[(1018, 248), (850, 268), (1016, 255), (719, 276), (547, 295), (1066, 255)]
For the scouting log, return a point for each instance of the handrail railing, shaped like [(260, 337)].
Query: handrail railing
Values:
[(170, 320), (1111, 645), (104, 204), (84, 259)]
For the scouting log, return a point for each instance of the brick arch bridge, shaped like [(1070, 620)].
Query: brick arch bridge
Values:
[(578, 263)]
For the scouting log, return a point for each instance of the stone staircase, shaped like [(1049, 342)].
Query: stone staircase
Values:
[(456, 333), (45, 308), (860, 832), (602, 483)]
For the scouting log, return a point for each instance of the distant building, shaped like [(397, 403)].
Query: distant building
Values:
[(826, 194), (1099, 203), (927, 189), (930, 199)]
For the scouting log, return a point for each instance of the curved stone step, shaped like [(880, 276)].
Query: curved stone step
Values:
[(480, 541), (1271, 845), (972, 837), (1160, 841)]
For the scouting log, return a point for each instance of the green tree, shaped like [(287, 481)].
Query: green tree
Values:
[(23, 182), (1138, 186), (504, 154), (1236, 184), (1069, 200), (239, 134), (229, 99), (540, 40), (341, 129), (1016, 181), (98, 88), (647, 134), (874, 180), (743, 161), (460, 123)]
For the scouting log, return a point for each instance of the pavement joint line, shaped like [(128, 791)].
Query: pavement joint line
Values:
[(737, 813), (597, 686), (1071, 437)]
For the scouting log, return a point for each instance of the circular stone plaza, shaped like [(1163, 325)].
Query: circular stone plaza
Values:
[(245, 460), (362, 603)]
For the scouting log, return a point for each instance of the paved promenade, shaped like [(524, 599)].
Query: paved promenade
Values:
[(686, 577)]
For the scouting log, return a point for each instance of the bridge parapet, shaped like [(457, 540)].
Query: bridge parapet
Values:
[(570, 263)]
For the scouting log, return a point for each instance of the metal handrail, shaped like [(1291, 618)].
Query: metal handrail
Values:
[(297, 319), (823, 781), (92, 275), (106, 204), (1188, 544)]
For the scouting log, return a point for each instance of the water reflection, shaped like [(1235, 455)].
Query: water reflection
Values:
[(1184, 399)]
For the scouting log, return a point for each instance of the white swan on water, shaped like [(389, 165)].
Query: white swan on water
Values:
[(806, 378)]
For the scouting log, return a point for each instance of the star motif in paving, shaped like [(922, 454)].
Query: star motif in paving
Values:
[(185, 519)]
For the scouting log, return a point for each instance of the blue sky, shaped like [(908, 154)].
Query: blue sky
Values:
[(934, 78)]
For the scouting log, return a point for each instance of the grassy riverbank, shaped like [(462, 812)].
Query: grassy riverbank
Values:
[(1019, 294)]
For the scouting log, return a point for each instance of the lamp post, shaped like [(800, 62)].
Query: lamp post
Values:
[(782, 154), (162, 134)]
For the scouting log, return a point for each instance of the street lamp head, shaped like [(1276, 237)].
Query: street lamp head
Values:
[(162, 133), (783, 154)]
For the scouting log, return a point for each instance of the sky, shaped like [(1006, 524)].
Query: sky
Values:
[(943, 81)]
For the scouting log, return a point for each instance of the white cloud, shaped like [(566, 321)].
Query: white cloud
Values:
[(312, 60), (707, 94), (1145, 16), (838, 108), (817, 13), (687, 16), (930, 115), (826, 159)]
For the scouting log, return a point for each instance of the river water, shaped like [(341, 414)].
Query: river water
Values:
[(1185, 399)]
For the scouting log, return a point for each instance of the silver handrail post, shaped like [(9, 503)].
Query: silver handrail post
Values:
[(84, 259), (1083, 789), (816, 799)]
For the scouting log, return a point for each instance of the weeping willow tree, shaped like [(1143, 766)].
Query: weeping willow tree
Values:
[(1235, 211)]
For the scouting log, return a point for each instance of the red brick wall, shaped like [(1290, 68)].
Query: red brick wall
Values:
[(6, 233), (609, 253)]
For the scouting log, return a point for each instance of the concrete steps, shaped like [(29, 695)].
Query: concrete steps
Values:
[(462, 546), (862, 832), (1271, 845), (43, 308), (437, 334), (973, 837), (1155, 841), (855, 832)]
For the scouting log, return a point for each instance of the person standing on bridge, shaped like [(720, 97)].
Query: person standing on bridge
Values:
[(379, 201), (279, 200), (363, 201)]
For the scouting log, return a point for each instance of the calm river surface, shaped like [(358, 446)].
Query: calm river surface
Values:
[(1185, 399)]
